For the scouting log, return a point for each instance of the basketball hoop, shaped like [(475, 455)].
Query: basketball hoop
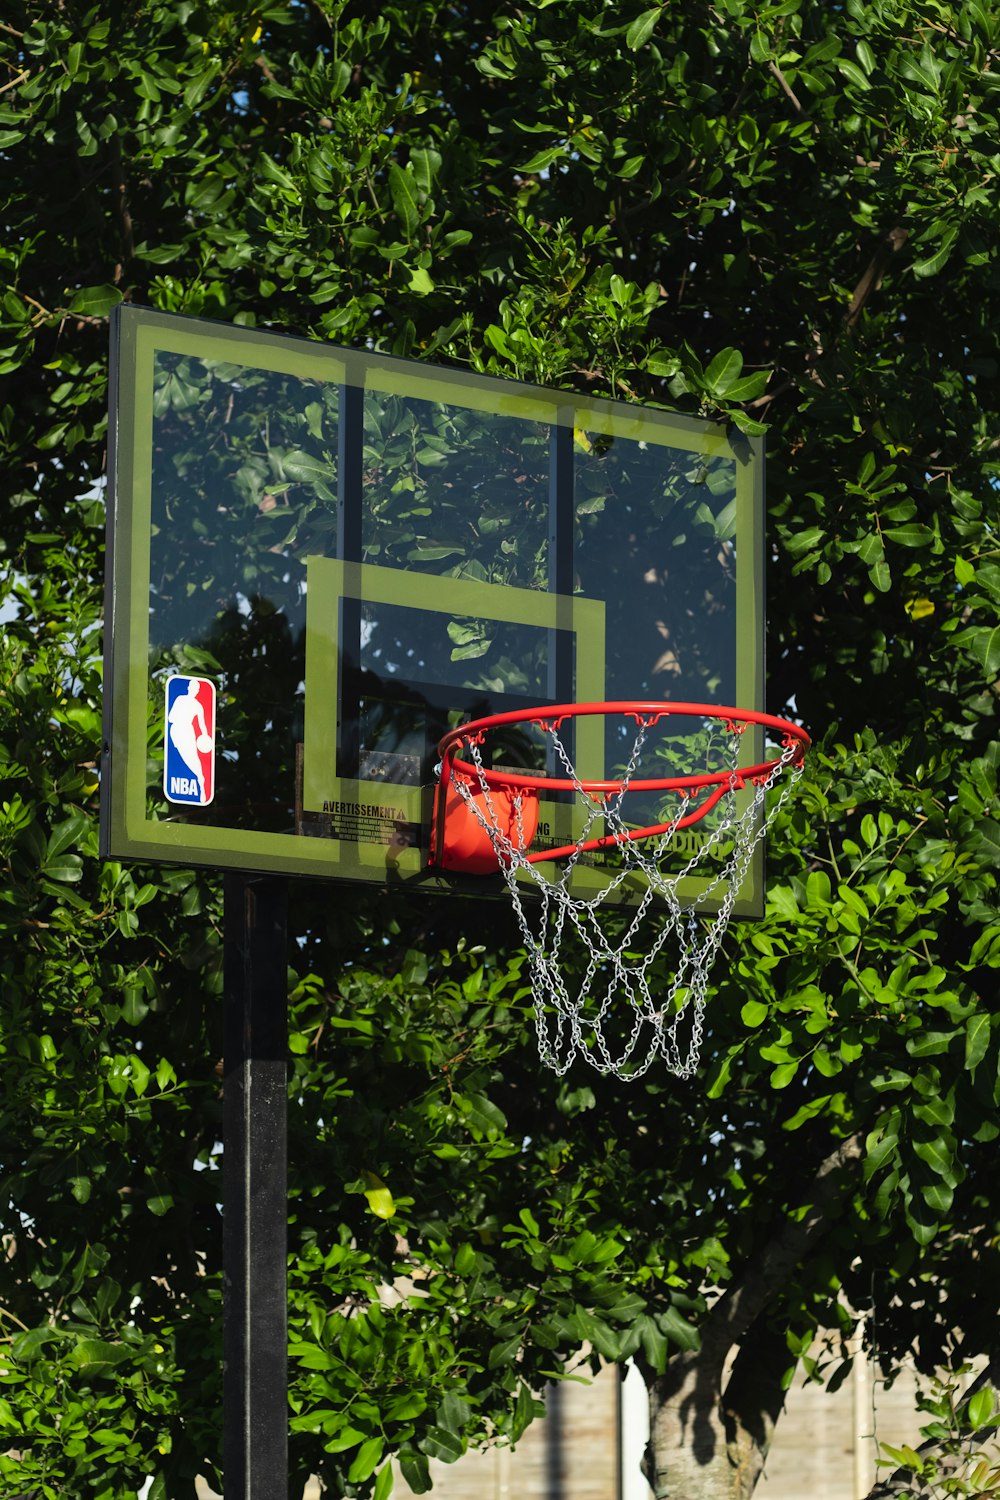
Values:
[(486, 820)]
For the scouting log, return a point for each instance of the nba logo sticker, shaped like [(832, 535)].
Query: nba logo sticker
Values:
[(189, 741)]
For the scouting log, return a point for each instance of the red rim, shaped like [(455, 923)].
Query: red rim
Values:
[(738, 719)]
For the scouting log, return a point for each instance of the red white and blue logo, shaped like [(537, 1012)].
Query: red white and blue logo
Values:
[(189, 741)]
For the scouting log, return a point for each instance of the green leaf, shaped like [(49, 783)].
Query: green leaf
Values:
[(911, 1458), (912, 535), (96, 1356), (977, 1038), (406, 1406), (465, 1260), (754, 1012), (341, 1438), (453, 1413), (747, 424), (852, 73), (416, 1472), (118, 1075), (269, 171), (134, 1007), (631, 168), (95, 301), (723, 372), (938, 1197), (847, 894), (542, 159), (881, 577), (932, 264), (935, 1108), (808, 1112), (420, 282), (380, 1200), (749, 387), (28, 1345), (826, 1063), (472, 651), (663, 364), (986, 843), (804, 540), (306, 468), (930, 1042), (980, 1408), (439, 1443), (529, 1221), (107, 1294), (720, 1074), (200, 84), (903, 1458), (678, 1330), (642, 28), (403, 188), (760, 47), (367, 1460), (984, 645), (524, 1412), (139, 1075), (921, 1221), (65, 834), (882, 1143), (383, 1484), (655, 1345), (66, 867), (433, 554), (426, 164), (596, 1333), (504, 1352), (747, 132), (940, 1160)]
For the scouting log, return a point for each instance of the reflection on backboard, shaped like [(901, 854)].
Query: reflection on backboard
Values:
[(361, 552)]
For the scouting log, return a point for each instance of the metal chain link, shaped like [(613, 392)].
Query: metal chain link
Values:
[(615, 980)]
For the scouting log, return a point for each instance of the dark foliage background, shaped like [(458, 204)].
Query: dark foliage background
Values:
[(780, 214)]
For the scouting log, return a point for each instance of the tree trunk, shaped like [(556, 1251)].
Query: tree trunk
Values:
[(709, 1442), (688, 1456), (712, 1415)]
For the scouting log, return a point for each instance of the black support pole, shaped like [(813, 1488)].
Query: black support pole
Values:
[(255, 1188)]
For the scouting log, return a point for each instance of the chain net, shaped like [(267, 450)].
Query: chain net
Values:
[(618, 1012)]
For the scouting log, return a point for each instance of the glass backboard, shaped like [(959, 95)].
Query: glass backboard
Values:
[(346, 554)]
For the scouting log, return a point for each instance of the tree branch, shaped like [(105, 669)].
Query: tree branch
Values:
[(121, 207), (754, 1398), (770, 396), (15, 81), (690, 1390), (733, 1314), (872, 279), (779, 75)]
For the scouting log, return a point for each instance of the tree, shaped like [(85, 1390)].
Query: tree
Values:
[(645, 203)]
